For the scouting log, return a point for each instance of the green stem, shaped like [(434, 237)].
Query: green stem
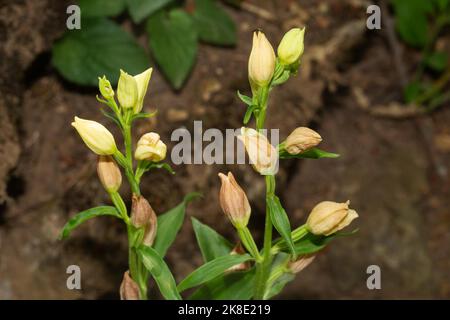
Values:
[(249, 243), (120, 205)]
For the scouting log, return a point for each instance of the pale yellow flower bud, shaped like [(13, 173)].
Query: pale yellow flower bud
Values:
[(233, 201), (129, 289), (263, 156), (261, 64), (291, 46), (302, 139), (127, 90), (142, 81), (143, 216), (151, 148), (329, 217), (239, 250), (109, 173), (105, 88), (301, 263), (95, 136)]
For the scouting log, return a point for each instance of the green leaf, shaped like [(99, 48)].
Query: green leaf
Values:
[(248, 113), (411, 20), (160, 272), (313, 153), (282, 78), (173, 41), (278, 285), (232, 286), (101, 8), (245, 99), (437, 61), (212, 244), (141, 9), (143, 115), (81, 217), (211, 270), (170, 223), (280, 220), (313, 243), (213, 23), (100, 48), (442, 4), (412, 91), (162, 165)]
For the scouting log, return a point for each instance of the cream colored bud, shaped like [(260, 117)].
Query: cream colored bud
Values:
[(301, 263), (105, 88), (151, 148), (129, 289), (291, 46), (127, 90), (239, 250), (302, 139), (329, 217), (261, 64), (109, 173), (233, 201), (95, 136), (263, 156), (142, 81)]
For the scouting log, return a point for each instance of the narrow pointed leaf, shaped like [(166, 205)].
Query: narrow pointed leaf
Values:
[(313, 153), (81, 217), (280, 221), (211, 270), (159, 270), (212, 244)]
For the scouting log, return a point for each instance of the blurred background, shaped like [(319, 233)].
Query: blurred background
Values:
[(379, 98)]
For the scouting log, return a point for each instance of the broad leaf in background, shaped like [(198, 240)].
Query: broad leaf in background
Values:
[(213, 23), (211, 270), (100, 48), (313, 153), (437, 61), (81, 217), (411, 20), (141, 9), (232, 286), (212, 245), (170, 223), (101, 8), (159, 270), (173, 41), (280, 220)]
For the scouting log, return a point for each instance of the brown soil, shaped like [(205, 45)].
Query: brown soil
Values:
[(395, 172)]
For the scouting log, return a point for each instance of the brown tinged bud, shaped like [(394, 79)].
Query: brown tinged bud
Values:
[(233, 201), (302, 139), (239, 250), (301, 263), (329, 217), (109, 173), (143, 216), (129, 289)]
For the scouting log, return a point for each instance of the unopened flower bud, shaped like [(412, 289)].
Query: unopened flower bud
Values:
[(239, 250), (129, 289), (301, 263), (291, 46), (105, 88), (142, 81), (263, 156), (261, 64), (95, 136), (109, 173), (127, 90), (151, 148), (233, 201), (141, 211), (302, 139), (329, 217)]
